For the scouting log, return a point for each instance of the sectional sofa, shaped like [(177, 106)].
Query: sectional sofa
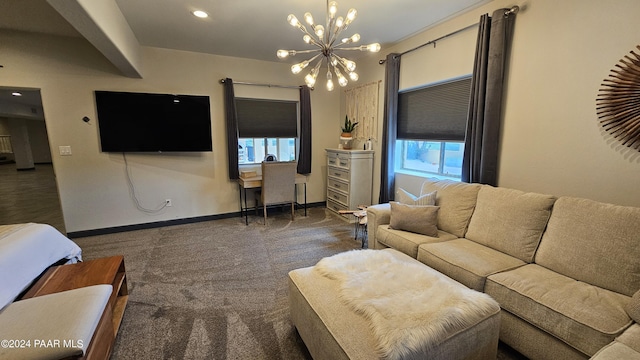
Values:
[(565, 270)]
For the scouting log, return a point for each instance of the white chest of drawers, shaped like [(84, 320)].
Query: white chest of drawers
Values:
[(349, 178)]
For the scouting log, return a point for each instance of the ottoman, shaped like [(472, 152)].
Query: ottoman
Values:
[(373, 304)]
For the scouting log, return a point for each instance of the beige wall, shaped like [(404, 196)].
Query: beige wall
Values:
[(551, 141), (93, 187)]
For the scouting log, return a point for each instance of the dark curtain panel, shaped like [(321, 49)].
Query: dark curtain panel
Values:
[(304, 156), (389, 127), (232, 128), (480, 162)]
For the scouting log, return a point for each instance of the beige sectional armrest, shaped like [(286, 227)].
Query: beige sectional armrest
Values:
[(376, 215)]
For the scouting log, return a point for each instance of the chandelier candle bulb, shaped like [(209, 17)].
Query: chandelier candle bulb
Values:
[(323, 41), (375, 47), (351, 15), (293, 20), (352, 39), (342, 81), (309, 19), (329, 80), (333, 9)]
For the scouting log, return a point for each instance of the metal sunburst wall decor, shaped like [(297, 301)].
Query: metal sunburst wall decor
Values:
[(618, 101)]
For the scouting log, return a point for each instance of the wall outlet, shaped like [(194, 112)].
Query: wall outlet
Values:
[(65, 150), (168, 202)]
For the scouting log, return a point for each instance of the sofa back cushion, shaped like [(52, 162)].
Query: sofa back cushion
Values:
[(510, 221), (593, 242), (456, 201)]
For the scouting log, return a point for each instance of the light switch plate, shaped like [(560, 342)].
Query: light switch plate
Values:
[(65, 150)]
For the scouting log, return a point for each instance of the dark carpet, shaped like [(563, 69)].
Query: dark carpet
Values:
[(218, 289)]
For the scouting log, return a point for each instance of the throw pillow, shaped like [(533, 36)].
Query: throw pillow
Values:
[(633, 307), (420, 219), (405, 197)]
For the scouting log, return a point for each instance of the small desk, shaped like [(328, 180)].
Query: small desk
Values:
[(256, 182)]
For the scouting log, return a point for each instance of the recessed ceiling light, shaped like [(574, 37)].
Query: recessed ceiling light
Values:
[(201, 14), (15, 93)]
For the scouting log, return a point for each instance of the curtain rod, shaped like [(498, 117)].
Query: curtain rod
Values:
[(513, 10), (222, 81)]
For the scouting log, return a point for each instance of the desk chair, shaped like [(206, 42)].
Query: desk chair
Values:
[(278, 185)]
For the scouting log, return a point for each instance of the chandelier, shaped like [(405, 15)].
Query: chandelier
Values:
[(324, 38)]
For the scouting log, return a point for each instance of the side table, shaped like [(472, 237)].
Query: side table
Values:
[(360, 223)]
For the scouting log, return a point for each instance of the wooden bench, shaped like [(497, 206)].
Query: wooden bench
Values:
[(104, 271)]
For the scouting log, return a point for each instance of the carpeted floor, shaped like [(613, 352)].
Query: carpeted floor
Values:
[(218, 289)]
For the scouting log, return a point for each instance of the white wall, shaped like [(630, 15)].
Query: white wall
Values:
[(92, 184), (39, 141), (551, 141)]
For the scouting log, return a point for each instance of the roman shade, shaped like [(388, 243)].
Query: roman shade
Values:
[(436, 112), (261, 118)]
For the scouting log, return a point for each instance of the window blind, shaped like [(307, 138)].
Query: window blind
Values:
[(436, 112), (259, 118)]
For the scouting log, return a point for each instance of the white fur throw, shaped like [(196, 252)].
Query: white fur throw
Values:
[(411, 307)]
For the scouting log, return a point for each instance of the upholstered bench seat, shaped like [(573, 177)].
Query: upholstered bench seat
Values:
[(55, 326), (332, 329)]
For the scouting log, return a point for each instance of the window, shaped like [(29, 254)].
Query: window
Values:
[(432, 157), (266, 127), (431, 127), (254, 150)]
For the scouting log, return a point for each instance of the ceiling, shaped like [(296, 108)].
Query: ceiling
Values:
[(252, 29)]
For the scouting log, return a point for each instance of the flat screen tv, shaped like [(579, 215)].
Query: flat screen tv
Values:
[(139, 122)]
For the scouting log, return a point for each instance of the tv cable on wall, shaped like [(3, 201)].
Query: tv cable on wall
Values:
[(132, 191)]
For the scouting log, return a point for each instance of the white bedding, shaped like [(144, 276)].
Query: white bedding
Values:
[(26, 250)]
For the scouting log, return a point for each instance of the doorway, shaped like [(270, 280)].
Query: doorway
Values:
[(28, 187)]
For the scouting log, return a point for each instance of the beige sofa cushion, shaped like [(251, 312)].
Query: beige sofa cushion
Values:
[(407, 242), (418, 219), (510, 221), (466, 261), (631, 338), (456, 200), (616, 351), (582, 315), (405, 197), (593, 242)]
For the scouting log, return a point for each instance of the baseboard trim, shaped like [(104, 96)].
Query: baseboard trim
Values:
[(157, 224)]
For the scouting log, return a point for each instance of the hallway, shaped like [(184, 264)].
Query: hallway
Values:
[(30, 196)]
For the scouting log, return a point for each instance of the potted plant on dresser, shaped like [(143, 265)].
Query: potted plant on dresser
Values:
[(346, 138)]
